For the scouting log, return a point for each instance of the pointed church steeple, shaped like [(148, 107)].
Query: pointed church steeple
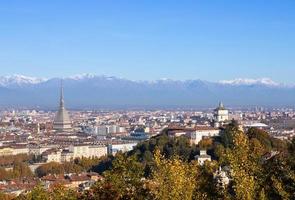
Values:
[(62, 102), (62, 122), (221, 104)]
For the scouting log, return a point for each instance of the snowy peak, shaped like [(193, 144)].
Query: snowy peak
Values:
[(92, 91), (240, 81), (82, 76), (19, 80)]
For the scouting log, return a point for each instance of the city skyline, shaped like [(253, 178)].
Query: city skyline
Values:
[(146, 41)]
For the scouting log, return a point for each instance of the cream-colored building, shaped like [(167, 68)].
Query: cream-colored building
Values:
[(20, 150), (221, 115), (88, 151), (52, 155), (39, 149), (66, 156), (202, 132), (74, 151), (203, 157), (6, 151)]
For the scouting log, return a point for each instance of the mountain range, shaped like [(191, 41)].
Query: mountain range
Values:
[(92, 91)]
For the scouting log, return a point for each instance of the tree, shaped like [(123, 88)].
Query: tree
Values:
[(5, 196), (261, 136), (243, 167), (5, 174), (172, 178), (50, 168), (205, 182), (59, 192), (38, 193), (228, 134), (21, 169), (123, 181)]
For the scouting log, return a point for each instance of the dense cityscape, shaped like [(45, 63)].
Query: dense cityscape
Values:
[(147, 100), (46, 137)]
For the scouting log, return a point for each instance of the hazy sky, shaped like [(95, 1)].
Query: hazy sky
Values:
[(149, 39)]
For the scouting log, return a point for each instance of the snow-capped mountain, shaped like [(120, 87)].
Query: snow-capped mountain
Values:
[(92, 91), (82, 76), (241, 81), (19, 80)]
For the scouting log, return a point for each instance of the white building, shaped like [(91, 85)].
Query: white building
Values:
[(114, 148), (221, 175), (203, 157), (202, 132), (21, 149), (88, 151), (52, 155), (220, 115), (66, 156), (74, 151), (14, 150), (39, 149)]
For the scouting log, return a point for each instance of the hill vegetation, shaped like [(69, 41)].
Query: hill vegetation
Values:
[(257, 165)]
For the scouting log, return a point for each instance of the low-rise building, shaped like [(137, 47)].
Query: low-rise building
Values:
[(88, 151), (202, 132), (203, 157), (52, 155)]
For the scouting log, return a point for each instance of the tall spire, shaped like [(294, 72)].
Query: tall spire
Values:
[(221, 104), (62, 121), (62, 102)]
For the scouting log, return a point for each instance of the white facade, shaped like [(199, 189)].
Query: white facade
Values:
[(199, 134), (7, 151), (221, 115), (66, 156), (54, 156), (38, 150), (203, 157), (114, 148), (78, 151), (23, 150), (88, 151)]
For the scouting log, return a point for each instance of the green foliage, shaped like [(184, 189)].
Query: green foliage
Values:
[(243, 167), (123, 181), (8, 161), (206, 185), (261, 136), (56, 193), (228, 134), (21, 170), (50, 168), (163, 168), (5, 196), (169, 147), (279, 176), (172, 179), (76, 166), (38, 193)]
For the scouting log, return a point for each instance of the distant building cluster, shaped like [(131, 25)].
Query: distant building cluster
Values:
[(64, 136)]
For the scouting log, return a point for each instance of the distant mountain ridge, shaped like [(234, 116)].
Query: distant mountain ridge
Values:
[(92, 91)]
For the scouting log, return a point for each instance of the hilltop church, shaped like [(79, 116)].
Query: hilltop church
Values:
[(221, 115)]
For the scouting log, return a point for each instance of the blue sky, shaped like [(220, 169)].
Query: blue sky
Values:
[(149, 39)]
